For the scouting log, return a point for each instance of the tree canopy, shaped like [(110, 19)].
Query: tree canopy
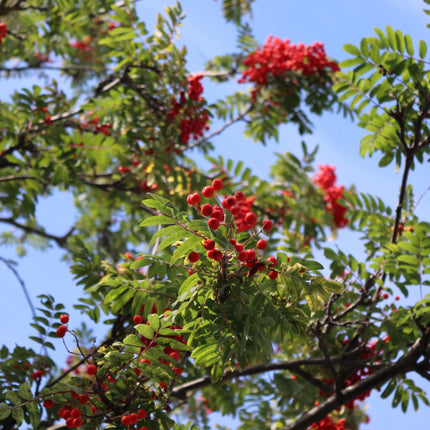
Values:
[(219, 290)]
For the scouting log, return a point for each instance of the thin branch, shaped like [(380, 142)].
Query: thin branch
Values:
[(10, 265), (60, 240), (221, 129)]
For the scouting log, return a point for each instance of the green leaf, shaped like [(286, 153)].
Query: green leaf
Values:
[(409, 45), (132, 340), (351, 49), (423, 49), (25, 392), (154, 322), (145, 330), (391, 36), (157, 220), (4, 411)]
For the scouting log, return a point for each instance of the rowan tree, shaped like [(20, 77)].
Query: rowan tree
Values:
[(211, 283)]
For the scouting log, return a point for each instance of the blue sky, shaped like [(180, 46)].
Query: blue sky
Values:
[(333, 22)]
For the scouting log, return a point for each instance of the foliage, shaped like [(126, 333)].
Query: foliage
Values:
[(228, 308)]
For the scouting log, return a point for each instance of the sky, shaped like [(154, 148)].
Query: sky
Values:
[(333, 22)]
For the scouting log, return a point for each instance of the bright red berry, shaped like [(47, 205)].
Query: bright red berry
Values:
[(193, 199), (61, 331), (133, 418), (267, 224), (239, 196), (207, 209), (137, 319), (128, 255), (208, 192), (213, 223), (217, 184), (273, 260), (76, 413), (208, 244), (251, 218), (125, 420), (273, 275), (251, 254), (218, 213), (91, 369), (261, 244), (193, 257), (64, 318)]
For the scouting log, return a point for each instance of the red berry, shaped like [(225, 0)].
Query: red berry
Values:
[(218, 213), (217, 184), (217, 255), (251, 254), (207, 192), (251, 218), (243, 255), (273, 275), (273, 260), (125, 420), (77, 422), (133, 418), (193, 199), (64, 318), (69, 422), (143, 428), (385, 296), (208, 244), (239, 247), (239, 196), (76, 413), (232, 241), (137, 319), (128, 255), (177, 370), (207, 209), (91, 369), (267, 224), (142, 414), (174, 355), (61, 331), (213, 223), (228, 202), (193, 257), (261, 244), (48, 404), (235, 210)]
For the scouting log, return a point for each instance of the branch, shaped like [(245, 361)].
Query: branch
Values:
[(60, 240), (405, 364), (293, 365), (221, 129)]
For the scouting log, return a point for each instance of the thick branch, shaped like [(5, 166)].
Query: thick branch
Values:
[(405, 364)]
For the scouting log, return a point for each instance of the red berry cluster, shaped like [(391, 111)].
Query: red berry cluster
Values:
[(326, 178), (73, 416), (278, 56), (242, 219), (83, 45), (150, 343), (94, 124), (195, 116), (3, 31), (327, 423), (62, 329)]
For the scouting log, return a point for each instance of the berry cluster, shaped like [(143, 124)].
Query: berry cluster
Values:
[(3, 31), (327, 423), (83, 45), (326, 178), (62, 329), (94, 125), (233, 207), (73, 416), (277, 57), (194, 122)]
